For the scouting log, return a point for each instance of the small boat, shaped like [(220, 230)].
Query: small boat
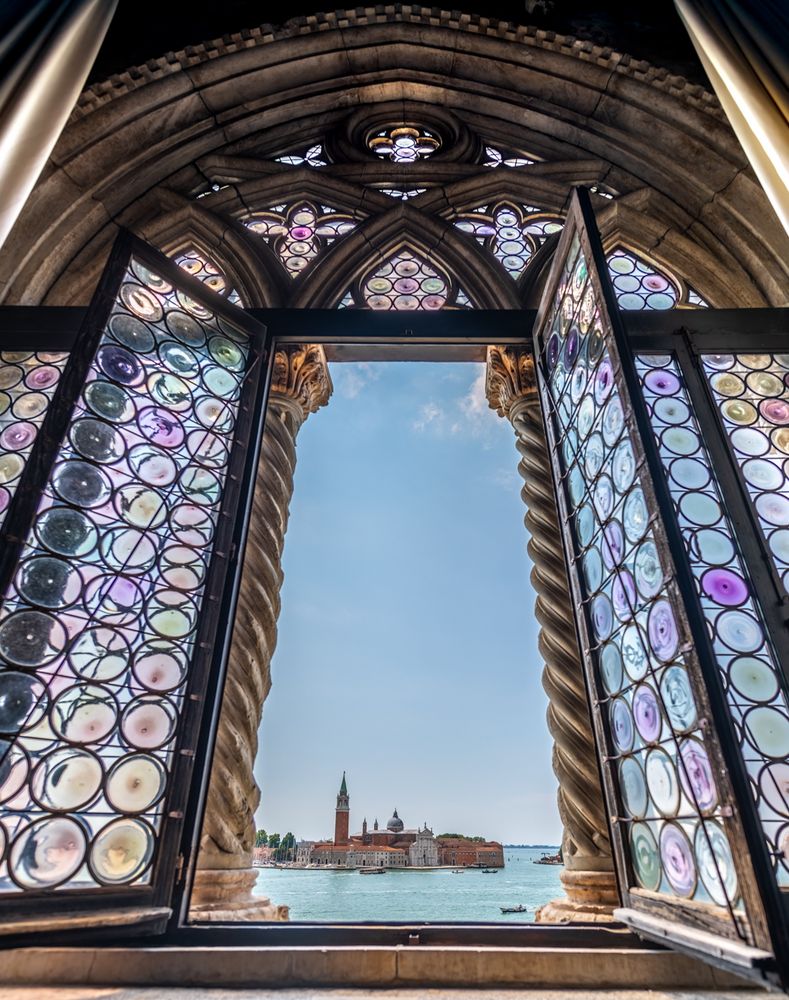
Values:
[(457, 871), (490, 871), (548, 859), (372, 871), (520, 908)]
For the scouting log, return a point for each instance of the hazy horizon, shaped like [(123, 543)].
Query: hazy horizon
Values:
[(407, 652)]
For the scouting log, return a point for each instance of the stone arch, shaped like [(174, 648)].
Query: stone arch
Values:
[(438, 241), (562, 98)]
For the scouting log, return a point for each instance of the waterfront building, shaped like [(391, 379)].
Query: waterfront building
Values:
[(396, 846)]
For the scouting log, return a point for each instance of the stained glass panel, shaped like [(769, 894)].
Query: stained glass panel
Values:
[(199, 266), (99, 626), (497, 157), (27, 384), (748, 664), (311, 157), (640, 285), (299, 233), (404, 143), (402, 193), (751, 393), (659, 752), (512, 233), (405, 281)]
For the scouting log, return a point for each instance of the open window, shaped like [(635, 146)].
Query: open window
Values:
[(119, 554), (678, 620)]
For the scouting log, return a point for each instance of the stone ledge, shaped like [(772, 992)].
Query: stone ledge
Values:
[(421, 965)]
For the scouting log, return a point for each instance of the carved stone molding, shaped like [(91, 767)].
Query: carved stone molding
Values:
[(588, 873), (301, 384)]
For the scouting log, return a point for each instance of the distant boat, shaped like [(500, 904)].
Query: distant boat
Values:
[(520, 908), (490, 871), (372, 871), (548, 859), (457, 871)]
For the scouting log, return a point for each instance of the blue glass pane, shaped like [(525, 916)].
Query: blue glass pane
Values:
[(97, 631)]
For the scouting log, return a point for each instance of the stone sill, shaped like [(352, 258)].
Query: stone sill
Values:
[(386, 966)]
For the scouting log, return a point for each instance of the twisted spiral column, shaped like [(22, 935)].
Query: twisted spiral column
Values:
[(225, 876), (588, 868)]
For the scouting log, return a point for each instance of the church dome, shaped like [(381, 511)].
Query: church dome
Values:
[(395, 824)]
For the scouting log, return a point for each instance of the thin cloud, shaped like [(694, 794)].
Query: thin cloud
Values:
[(351, 379), (430, 414)]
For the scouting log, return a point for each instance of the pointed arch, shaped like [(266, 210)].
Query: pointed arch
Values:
[(402, 226)]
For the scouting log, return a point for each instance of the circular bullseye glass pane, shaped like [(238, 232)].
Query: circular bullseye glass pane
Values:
[(695, 775), (99, 654), (47, 853), (678, 698), (646, 858), (678, 861), (81, 484), (48, 582), (135, 783), (14, 769), (84, 714), (31, 638), (121, 852), (132, 333), (662, 782), (715, 862), (160, 665), (634, 787), (140, 506), (23, 702), (109, 401), (148, 722), (66, 779)]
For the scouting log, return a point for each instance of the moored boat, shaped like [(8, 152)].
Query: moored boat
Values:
[(372, 871), (520, 908)]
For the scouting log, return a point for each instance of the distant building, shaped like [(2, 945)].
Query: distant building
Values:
[(394, 847), (461, 852)]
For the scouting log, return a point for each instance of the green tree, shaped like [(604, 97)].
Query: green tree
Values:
[(261, 838), (286, 847), (273, 840)]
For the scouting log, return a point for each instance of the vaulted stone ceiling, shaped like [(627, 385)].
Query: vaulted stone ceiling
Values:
[(145, 29)]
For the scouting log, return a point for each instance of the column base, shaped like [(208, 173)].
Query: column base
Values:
[(591, 898), (225, 895)]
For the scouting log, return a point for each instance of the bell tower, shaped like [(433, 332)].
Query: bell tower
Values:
[(342, 814)]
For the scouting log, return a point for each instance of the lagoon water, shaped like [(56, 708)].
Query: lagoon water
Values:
[(436, 895)]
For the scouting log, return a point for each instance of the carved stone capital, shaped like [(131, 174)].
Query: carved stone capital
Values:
[(302, 374), (509, 379)]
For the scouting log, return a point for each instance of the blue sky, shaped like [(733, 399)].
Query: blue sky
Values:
[(407, 651)]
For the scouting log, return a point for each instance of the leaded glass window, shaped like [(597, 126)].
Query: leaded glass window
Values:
[(28, 381), (298, 233), (313, 156), (405, 281), (743, 651), (404, 143), (641, 285), (498, 157), (512, 233), (102, 622), (199, 266), (752, 399), (404, 194)]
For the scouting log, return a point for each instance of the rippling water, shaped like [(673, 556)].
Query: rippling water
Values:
[(415, 895)]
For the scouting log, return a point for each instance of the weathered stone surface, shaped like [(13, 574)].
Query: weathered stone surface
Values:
[(588, 877), (300, 385)]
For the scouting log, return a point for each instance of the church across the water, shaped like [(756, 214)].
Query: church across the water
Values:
[(395, 846)]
